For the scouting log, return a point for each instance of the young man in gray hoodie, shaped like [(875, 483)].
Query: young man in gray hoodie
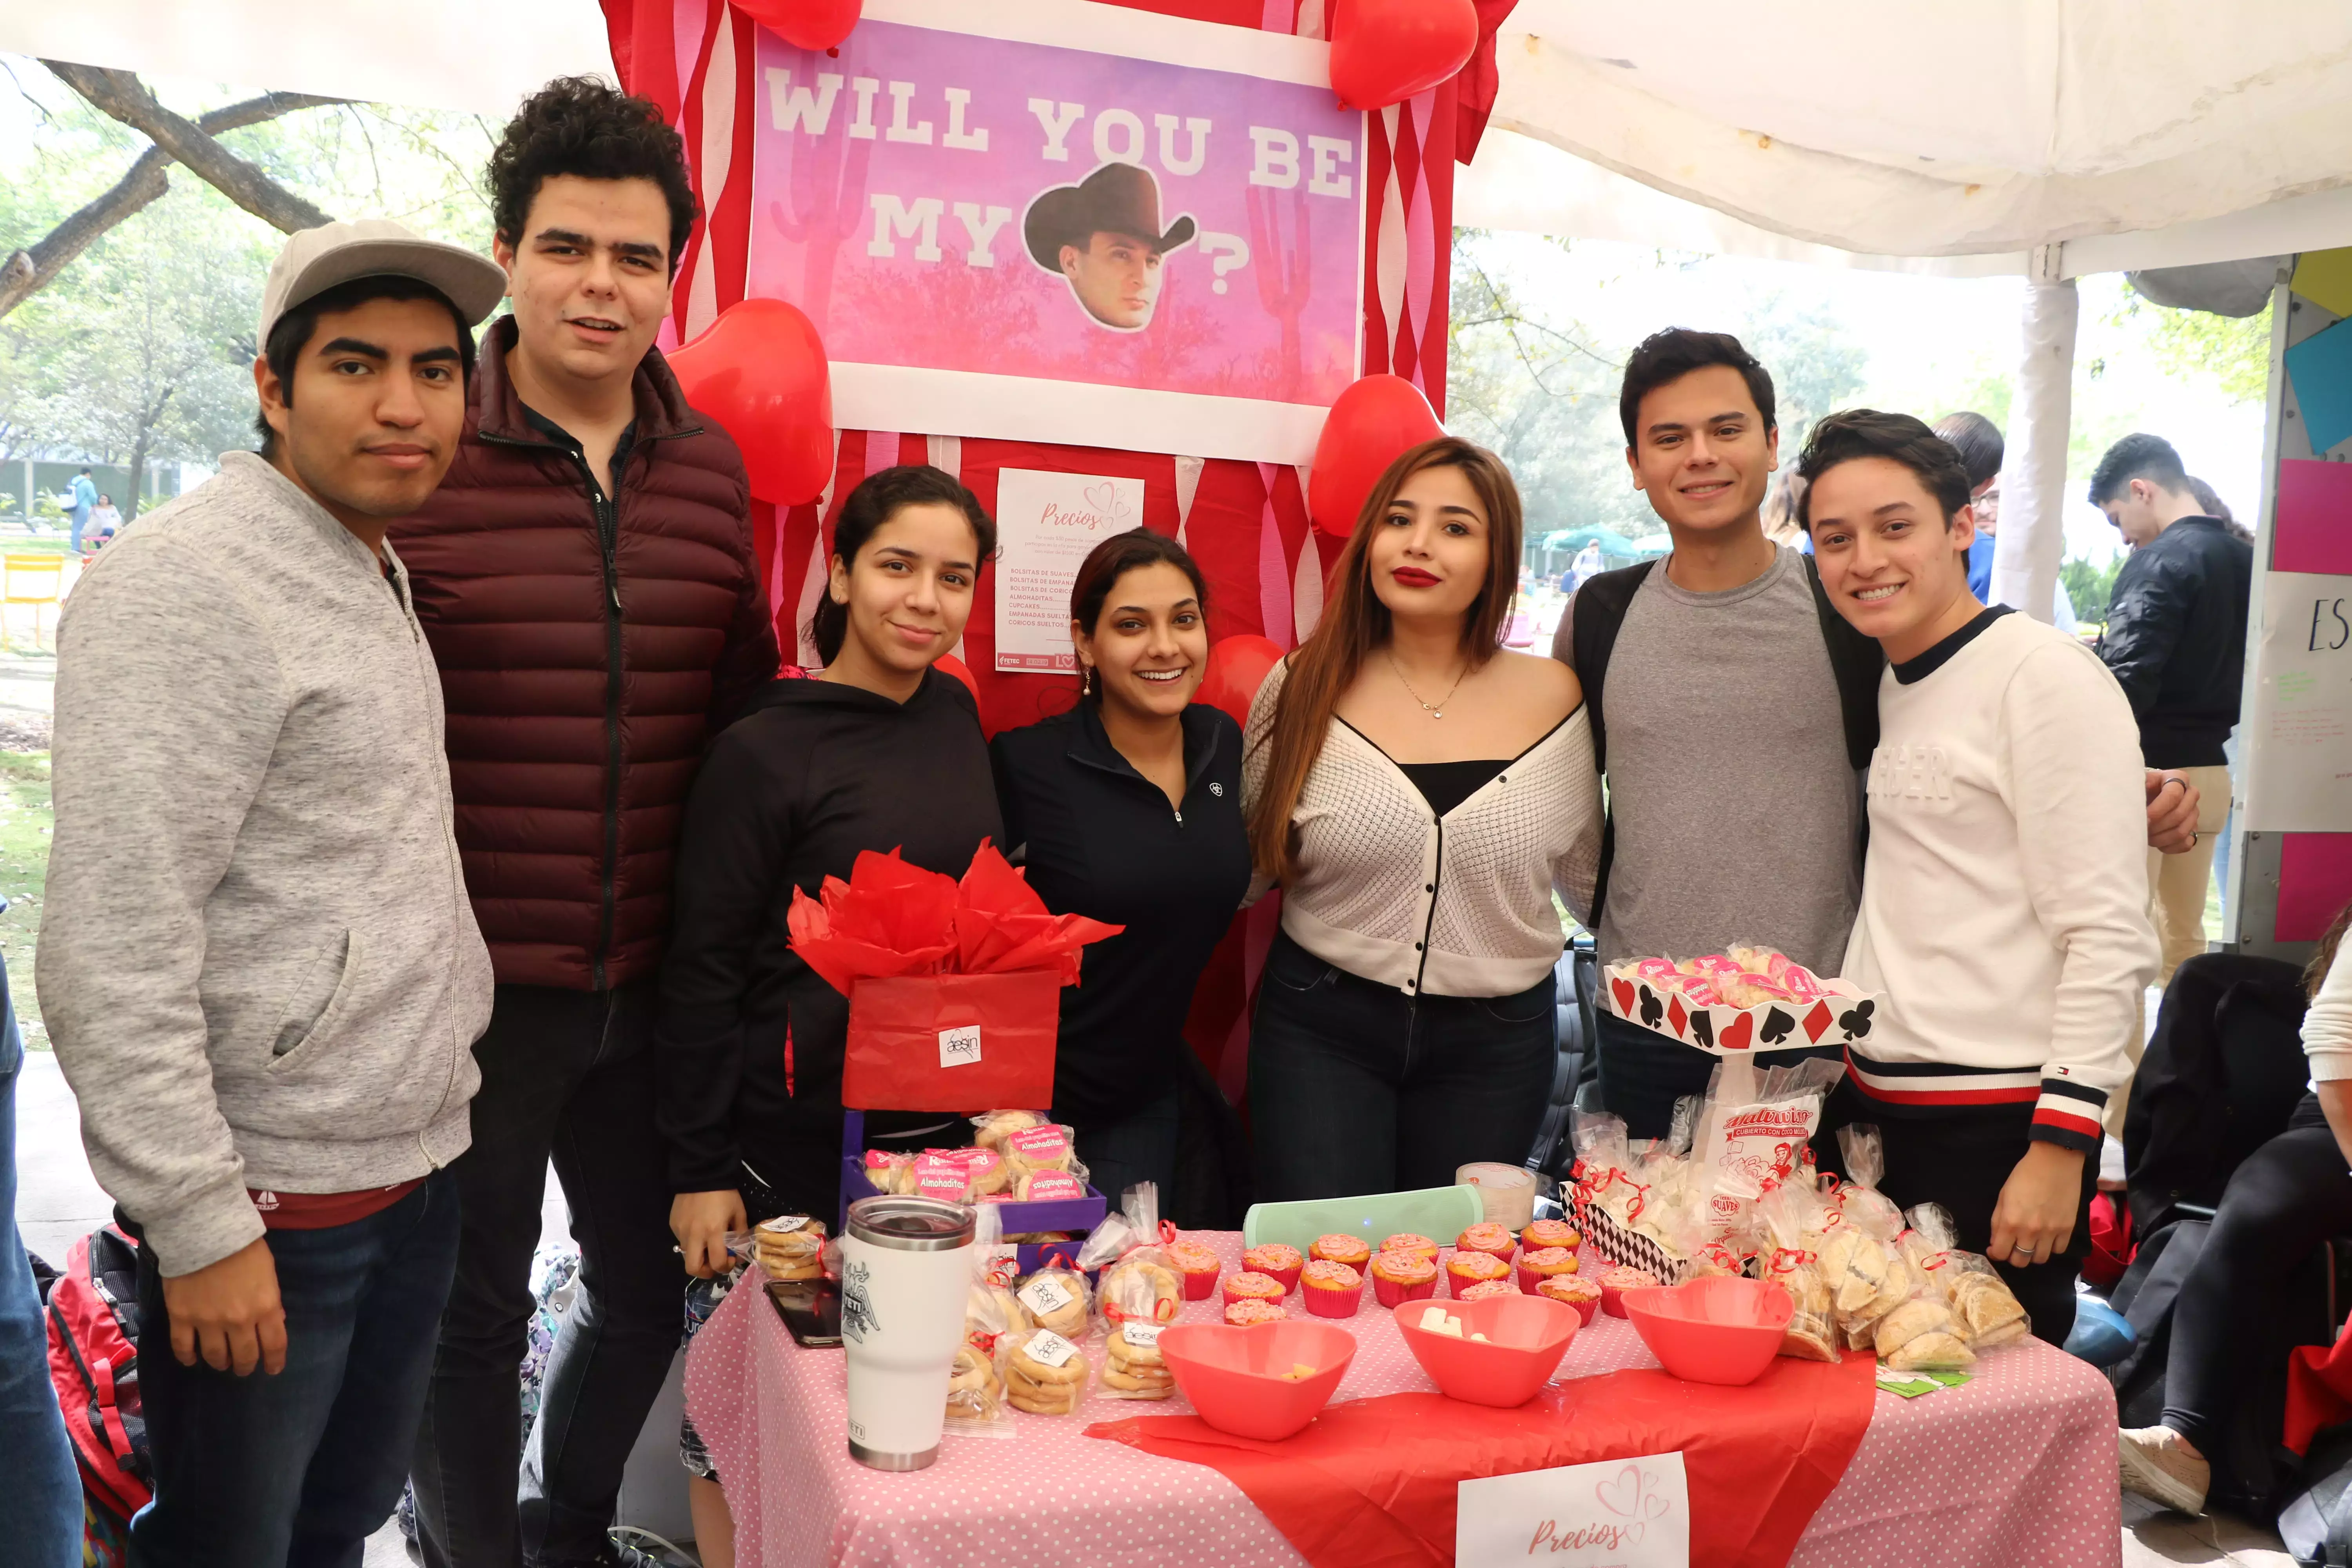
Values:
[(257, 960)]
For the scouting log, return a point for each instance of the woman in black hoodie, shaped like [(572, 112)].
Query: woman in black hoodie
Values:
[(879, 752)]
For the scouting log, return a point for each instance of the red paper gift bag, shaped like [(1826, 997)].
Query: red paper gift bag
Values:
[(952, 1042)]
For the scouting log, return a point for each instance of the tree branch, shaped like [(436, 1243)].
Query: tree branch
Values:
[(26, 273), (125, 97)]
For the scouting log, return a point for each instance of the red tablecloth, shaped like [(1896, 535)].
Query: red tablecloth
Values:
[(2017, 1467)]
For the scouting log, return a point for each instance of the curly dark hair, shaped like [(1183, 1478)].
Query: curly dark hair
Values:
[(1853, 433), (579, 125)]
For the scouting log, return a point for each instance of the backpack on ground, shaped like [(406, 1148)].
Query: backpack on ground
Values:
[(93, 1317)]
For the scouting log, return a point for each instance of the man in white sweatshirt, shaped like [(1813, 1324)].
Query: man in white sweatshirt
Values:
[(2004, 900)]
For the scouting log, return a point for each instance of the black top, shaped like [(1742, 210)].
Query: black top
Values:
[(1099, 839), (1936, 658), (1447, 784), (2176, 639), (815, 773)]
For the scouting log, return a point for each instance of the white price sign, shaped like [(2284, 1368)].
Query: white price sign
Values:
[(1618, 1513), (960, 1047)]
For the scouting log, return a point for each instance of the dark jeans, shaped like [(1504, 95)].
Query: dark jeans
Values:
[(1959, 1159), (1644, 1073), (2290, 1196), (1354, 1087), (299, 1467), (1139, 1147), (566, 1076), (40, 1500)]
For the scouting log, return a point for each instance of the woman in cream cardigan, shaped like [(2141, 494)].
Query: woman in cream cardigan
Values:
[(1420, 794)]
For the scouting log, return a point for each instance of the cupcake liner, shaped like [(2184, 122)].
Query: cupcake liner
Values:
[(1197, 1285), (1389, 1293), (1325, 1303)]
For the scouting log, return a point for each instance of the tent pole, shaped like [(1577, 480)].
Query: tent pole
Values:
[(2032, 538)]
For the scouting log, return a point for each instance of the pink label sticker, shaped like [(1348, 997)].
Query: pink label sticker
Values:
[(1054, 1186), (1039, 1145), (941, 1178)]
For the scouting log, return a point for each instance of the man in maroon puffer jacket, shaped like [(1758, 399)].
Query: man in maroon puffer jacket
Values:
[(585, 577)]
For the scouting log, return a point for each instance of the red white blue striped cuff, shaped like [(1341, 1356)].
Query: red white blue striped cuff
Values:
[(2070, 1115)]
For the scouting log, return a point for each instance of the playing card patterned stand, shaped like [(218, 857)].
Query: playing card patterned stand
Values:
[(1840, 1017)]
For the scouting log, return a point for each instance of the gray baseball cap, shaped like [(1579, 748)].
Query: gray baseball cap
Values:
[(317, 259)]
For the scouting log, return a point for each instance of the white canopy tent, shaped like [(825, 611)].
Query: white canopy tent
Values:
[(2041, 138), (2049, 138)]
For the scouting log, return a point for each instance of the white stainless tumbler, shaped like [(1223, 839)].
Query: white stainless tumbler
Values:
[(906, 1270)]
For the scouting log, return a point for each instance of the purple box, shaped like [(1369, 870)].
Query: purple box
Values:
[(1078, 1214)]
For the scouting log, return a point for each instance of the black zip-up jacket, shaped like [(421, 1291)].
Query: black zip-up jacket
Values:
[(2176, 639), (1099, 839), (791, 792)]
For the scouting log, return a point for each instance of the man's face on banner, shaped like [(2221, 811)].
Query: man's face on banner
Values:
[(1116, 277)]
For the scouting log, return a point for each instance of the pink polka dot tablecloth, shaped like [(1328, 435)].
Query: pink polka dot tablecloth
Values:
[(2015, 1469)]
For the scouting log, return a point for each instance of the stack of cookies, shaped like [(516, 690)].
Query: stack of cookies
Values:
[(1044, 1374), (973, 1388), (1136, 1370), (790, 1247)]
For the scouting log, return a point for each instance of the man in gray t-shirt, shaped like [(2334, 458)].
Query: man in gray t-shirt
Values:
[(1729, 740), (1736, 806)]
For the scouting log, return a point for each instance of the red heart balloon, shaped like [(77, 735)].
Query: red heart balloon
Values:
[(804, 23), (1374, 422), (759, 370), (1384, 51), (948, 664), (1237, 668)]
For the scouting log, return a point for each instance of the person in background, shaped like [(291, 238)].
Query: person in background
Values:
[(2176, 639), (40, 1507), (1588, 563), (1129, 809), (252, 798), (2209, 502), (83, 494), (585, 576), (1680, 659), (1420, 795), (1978, 441), (881, 752), (1781, 508), (2287, 1197), (105, 519), (2004, 915)]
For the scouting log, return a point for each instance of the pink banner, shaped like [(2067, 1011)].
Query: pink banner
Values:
[(2311, 530), (966, 217)]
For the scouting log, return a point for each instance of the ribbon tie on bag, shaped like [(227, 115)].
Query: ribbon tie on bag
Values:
[(1788, 1260)]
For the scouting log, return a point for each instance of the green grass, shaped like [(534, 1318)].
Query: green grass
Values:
[(24, 867)]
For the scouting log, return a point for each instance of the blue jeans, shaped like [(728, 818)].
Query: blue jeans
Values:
[(1354, 1087), (40, 1501), (1139, 1147), (300, 1467)]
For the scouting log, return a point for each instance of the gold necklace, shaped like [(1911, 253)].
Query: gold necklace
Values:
[(1435, 709)]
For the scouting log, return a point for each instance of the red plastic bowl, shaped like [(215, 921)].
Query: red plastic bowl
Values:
[(1234, 1376), (1712, 1330), (1525, 1337)]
